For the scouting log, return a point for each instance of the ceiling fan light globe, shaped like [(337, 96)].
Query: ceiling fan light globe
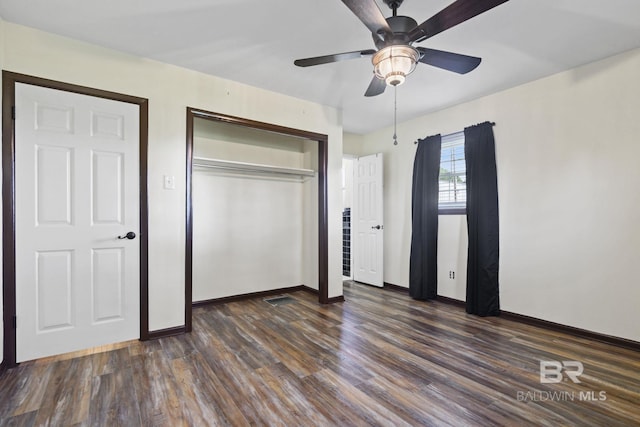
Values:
[(393, 63)]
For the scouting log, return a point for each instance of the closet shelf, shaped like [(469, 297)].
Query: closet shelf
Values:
[(249, 167)]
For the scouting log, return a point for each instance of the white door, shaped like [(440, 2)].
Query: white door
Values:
[(367, 223), (76, 191)]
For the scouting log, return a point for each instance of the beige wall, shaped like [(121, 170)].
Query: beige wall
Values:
[(170, 90), (250, 243), (352, 144), (567, 150)]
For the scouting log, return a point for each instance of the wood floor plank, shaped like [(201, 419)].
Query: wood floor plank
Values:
[(232, 375), (178, 346), (9, 389), (68, 393), (287, 387), (24, 420), (203, 400), (30, 388), (327, 400), (110, 361), (301, 363), (378, 358), (156, 389), (113, 400)]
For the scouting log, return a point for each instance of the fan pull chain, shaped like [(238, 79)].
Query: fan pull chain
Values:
[(395, 114)]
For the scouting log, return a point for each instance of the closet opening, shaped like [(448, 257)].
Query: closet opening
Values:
[(256, 205)]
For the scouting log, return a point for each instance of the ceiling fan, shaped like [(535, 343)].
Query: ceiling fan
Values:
[(396, 57)]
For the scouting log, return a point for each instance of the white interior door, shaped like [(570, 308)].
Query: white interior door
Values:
[(77, 190), (367, 220)]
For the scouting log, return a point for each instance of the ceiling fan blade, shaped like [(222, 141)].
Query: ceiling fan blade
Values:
[(369, 13), (450, 61), (326, 59), (376, 87), (452, 15)]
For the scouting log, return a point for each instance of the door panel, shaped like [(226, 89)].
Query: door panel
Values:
[(107, 125), (367, 219), (107, 284), (53, 188), (106, 187), (77, 190), (54, 306), (53, 118)]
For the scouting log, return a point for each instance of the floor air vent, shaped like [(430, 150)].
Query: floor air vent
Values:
[(279, 300)]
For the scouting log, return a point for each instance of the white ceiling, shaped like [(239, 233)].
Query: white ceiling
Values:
[(256, 41)]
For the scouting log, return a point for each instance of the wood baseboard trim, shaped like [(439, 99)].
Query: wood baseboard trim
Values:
[(261, 294), (521, 318), (582, 333), (169, 332), (310, 290), (334, 300), (395, 288), (451, 301)]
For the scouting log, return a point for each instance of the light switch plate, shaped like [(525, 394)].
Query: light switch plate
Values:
[(169, 182)]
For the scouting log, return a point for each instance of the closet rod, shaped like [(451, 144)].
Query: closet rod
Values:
[(249, 167)]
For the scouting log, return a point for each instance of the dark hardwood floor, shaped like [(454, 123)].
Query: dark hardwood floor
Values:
[(379, 358)]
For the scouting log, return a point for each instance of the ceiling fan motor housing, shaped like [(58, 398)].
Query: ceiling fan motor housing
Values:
[(401, 26)]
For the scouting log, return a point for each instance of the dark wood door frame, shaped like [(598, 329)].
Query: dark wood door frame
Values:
[(9, 80), (323, 251)]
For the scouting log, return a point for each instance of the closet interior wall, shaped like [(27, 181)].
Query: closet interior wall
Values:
[(252, 232)]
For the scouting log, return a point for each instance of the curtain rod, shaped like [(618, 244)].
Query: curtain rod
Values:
[(452, 133)]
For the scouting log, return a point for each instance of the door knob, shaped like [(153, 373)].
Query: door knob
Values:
[(130, 235), (378, 227)]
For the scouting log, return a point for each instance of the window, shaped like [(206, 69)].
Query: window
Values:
[(453, 175)]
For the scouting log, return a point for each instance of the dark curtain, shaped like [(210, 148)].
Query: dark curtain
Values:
[(482, 221), (423, 271)]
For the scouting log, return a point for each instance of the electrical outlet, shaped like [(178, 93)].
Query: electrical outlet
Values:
[(169, 182)]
